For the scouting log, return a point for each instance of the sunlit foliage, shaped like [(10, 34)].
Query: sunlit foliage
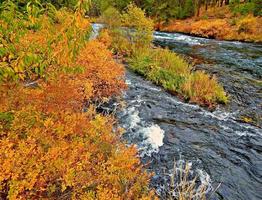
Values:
[(201, 88), (132, 37), (167, 69), (129, 30), (220, 23), (50, 74), (71, 155), (140, 28)]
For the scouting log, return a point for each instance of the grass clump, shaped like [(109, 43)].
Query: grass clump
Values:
[(171, 71), (184, 185), (201, 88), (160, 66)]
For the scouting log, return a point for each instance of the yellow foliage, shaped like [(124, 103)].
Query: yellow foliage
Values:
[(219, 23), (217, 28), (248, 29), (49, 156), (105, 38), (106, 75), (202, 89), (138, 31), (49, 148)]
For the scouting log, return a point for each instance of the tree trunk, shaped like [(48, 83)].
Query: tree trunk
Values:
[(221, 3)]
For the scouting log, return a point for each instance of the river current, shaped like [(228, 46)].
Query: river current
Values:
[(221, 148)]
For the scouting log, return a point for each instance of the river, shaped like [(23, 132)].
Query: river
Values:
[(222, 149)]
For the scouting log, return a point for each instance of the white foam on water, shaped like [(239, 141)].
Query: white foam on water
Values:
[(246, 133), (95, 32), (154, 135), (128, 82), (205, 180), (133, 118), (176, 37), (152, 88), (149, 137), (218, 114), (226, 128), (178, 102), (187, 39)]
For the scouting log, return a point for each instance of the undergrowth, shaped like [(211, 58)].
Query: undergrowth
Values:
[(220, 23), (171, 71), (161, 66), (49, 74)]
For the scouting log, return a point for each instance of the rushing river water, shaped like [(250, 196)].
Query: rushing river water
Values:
[(221, 149)]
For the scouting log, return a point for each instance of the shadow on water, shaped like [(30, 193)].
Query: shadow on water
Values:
[(220, 148)]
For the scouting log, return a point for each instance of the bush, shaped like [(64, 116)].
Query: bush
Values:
[(105, 38), (200, 88), (217, 28), (140, 28), (50, 148), (133, 31), (29, 54), (70, 156), (247, 25)]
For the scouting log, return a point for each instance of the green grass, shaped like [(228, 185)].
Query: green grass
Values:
[(172, 72)]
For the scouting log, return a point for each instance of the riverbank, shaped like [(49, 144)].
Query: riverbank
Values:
[(220, 148), (218, 23)]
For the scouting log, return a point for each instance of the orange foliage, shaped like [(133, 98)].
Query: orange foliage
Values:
[(202, 89), (49, 148), (69, 154), (219, 23), (105, 74), (105, 38), (217, 28)]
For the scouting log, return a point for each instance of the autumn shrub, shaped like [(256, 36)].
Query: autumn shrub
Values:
[(140, 28), (222, 23), (26, 53), (247, 28), (202, 89), (111, 17), (247, 25), (129, 30), (68, 155), (105, 38), (218, 28), (101, 69), (49, 147)]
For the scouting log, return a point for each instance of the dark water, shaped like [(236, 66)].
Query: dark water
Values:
[(221, 149)]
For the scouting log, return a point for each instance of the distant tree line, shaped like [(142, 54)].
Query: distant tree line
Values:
[(178, 9), (161, 9)]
